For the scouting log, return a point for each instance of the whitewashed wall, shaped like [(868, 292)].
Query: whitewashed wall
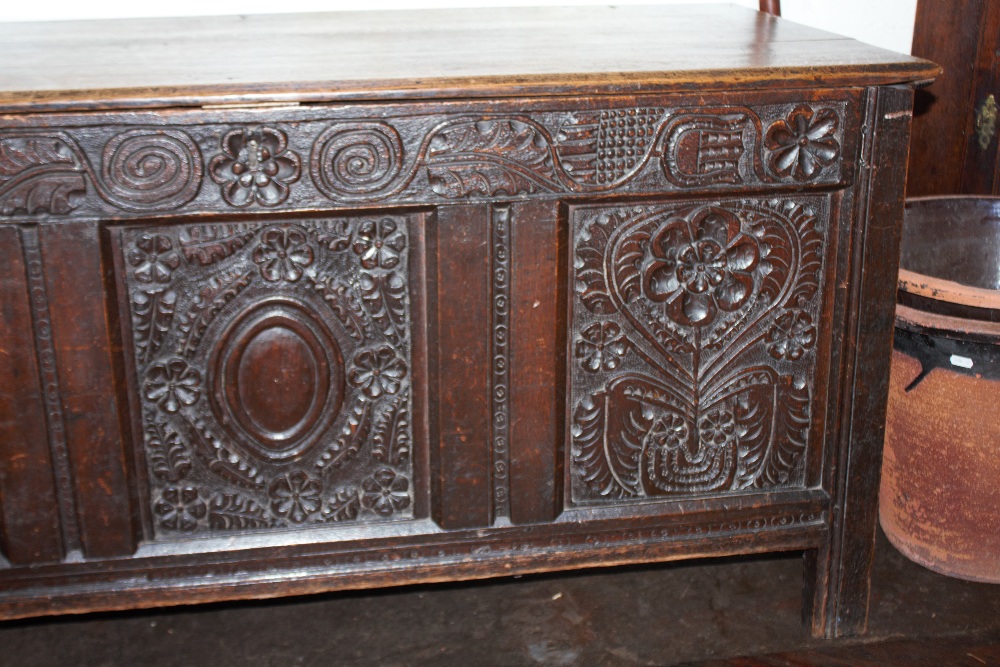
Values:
[(885, 23)]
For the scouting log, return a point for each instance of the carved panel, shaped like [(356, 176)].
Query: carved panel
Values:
[(501, 260), (215, 161), (693, 346), (272, 368)]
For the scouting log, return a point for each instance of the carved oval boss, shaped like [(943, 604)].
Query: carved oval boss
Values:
[(278, 378)]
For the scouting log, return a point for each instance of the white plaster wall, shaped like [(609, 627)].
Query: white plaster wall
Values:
[(885, 23)]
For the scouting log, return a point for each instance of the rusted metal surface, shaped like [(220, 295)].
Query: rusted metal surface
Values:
[(940, 502)]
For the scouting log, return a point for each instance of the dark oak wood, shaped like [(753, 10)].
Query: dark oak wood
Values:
[(463, 358), (30, 516), (562, 307), (947, 156), (536, 369), (844, 571)]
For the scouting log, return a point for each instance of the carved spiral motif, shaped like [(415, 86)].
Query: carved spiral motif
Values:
[(151, 169), (355, 159)]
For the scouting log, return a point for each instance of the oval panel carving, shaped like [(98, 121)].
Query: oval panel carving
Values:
[(278, 379)]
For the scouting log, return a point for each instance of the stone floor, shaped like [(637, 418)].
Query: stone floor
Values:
[(651, 615)]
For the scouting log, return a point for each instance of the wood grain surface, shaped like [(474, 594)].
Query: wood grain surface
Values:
[(424, 54)]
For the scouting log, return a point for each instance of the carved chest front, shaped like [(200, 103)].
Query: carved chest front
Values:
[(282, 338)]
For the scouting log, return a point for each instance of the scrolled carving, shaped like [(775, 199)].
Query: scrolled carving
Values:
[(146, 169), (695, 335), (39, 174), (356, 159)]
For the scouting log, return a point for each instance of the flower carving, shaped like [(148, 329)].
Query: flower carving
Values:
[(668, 432), (377, 371), (295, 495), (282, 254), (379, 243), (717, 428), (172, 384), (180, 508), (601, 345), (255, 165), (803, 144), (699, 265), (792, 334), (153, 258), (386, 493)]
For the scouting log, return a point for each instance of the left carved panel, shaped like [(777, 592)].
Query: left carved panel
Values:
[(144, 169), (272, 370)]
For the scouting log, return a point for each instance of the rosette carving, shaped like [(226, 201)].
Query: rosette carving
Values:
[(255, 165), (151, 169), (351, 160)]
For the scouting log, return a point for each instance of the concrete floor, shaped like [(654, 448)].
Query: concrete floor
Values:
[(650, 615)]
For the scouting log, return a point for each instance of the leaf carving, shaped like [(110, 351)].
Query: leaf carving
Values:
[(591, 283), (490, 157), (456, 180), (625, 453), (334, 234), (230, 511), (220, 290), (776, 264), (773, 422), (39, 174), (391, 438), (595, 455), (344, 506), (753, 414), (152, 315), (791, 434), (51, 191), (351, 439), (343, 301), (168, 455), (628, 256), (811, 262), (384, 295), (208, 244)]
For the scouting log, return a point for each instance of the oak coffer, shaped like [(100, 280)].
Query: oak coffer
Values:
[(304, 303)]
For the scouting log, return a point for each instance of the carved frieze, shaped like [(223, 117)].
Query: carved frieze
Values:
[(693, 341), (122, 170), (272, 369)]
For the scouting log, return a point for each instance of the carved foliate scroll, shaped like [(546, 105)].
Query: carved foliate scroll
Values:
[(272, 369), (406, 156), (694, 331)]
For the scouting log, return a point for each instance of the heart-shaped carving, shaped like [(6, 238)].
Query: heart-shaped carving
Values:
[(719, 301)]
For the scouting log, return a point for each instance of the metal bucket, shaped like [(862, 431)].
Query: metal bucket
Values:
[(940, 495)]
